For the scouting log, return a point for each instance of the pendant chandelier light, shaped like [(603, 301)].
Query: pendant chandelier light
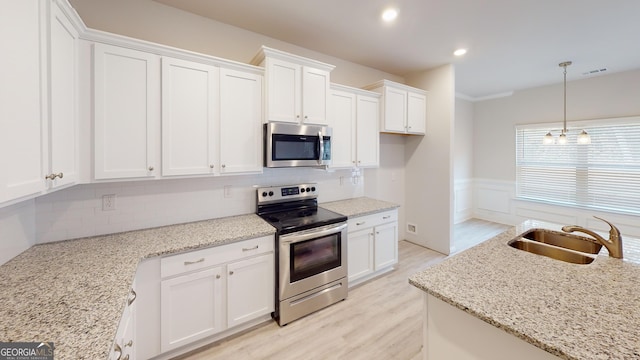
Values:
[(583, 137)]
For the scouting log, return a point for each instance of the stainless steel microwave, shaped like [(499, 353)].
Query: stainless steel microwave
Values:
[(291, 145)]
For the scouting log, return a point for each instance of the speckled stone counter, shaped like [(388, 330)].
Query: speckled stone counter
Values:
[(358, 206), (73, 292), (569, 310)]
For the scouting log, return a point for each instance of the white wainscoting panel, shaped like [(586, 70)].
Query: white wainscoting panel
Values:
[(463, 200), (495, 201)]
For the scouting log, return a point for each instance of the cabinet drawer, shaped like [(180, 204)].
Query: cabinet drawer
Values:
[(200, 259), (367, 221)]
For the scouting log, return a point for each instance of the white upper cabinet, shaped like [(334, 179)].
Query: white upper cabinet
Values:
[(404, 108), (188, 117), (63, 125), (126, 112), (367, 132), (354, 117), (21, 119), (240, 121), (297, 87)]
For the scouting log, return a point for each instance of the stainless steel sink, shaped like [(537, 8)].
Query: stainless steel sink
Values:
[(557, 245), (563, 240)]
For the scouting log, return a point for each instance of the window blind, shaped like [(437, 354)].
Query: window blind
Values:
[(604, 175)]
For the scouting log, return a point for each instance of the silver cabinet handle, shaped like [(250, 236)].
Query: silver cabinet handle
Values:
[(194, 262), (249, 249), (126, 357), (117, 349), (386, 217), (230, 272), (150, 168), (361, 223), (129, 344), (54, 176), (132, 298)]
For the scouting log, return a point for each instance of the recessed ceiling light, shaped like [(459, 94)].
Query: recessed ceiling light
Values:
[(389, 15), (460, 52)]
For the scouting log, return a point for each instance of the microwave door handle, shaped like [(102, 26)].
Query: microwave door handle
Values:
[(321, 152)]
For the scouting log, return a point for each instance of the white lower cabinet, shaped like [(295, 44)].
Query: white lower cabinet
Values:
[(245, 280), (124, 343), (191, 307), (210, 291), (372, 245)]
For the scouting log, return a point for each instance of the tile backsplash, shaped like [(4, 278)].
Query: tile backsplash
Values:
[(78, 211)]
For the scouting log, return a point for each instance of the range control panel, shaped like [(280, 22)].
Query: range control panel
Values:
[(287, 193)]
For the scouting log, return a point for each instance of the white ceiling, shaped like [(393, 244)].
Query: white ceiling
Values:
[(513, 44)]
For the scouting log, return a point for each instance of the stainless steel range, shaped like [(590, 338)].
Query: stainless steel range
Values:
[(311, 250)]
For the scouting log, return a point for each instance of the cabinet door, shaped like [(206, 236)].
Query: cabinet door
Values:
[(315, 95), (21, 151), (250, 285), (188, 117), (368, 136), (240, 122), (386, 245), (126, 112), (63, 128), (360, 253), (343, 114), (416, 113), (283, 91), (191, 308), (395, 110)]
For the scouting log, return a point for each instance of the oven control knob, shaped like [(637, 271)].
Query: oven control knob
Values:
[(270, 193), (308, 190), (301, 189), (264, 193), (313, 188)]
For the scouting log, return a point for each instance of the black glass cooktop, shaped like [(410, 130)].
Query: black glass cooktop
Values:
[(301, 219)]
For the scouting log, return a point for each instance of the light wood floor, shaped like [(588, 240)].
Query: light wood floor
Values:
[(381, 319)]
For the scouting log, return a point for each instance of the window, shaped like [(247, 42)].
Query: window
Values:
[(604, 175)]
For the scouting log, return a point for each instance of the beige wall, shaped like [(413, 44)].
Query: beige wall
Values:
[(429, 163), (606, 96), (463, 140), (151, 21)]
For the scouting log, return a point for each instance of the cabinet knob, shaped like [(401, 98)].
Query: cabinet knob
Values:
[(218, 276), (150, 168), (126, 357), (118, 349), (361, 223), (306, 117), (224, 166), (211, 166), (230, 272), (129, 344), (297, 116)]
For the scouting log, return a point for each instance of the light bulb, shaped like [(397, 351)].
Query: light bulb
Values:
[(584, 138), (548, 139), (562, 139)]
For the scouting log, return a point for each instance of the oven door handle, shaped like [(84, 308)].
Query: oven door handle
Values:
[(311, 233)]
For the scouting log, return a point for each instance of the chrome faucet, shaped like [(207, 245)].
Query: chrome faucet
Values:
[(613, 244)]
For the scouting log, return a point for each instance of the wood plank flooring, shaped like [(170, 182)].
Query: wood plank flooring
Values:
[(381, 319)]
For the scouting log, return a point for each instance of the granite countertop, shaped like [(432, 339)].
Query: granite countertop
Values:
[(569, 310), (73, 292), (359, 206)]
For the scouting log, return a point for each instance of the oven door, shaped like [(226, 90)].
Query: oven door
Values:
[(311, 258)]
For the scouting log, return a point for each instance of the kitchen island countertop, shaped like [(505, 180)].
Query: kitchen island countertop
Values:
[(569, 310), (73, 292)]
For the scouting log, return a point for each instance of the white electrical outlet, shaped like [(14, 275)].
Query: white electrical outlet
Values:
[(412, 228), (109, 202), (227, 191)]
